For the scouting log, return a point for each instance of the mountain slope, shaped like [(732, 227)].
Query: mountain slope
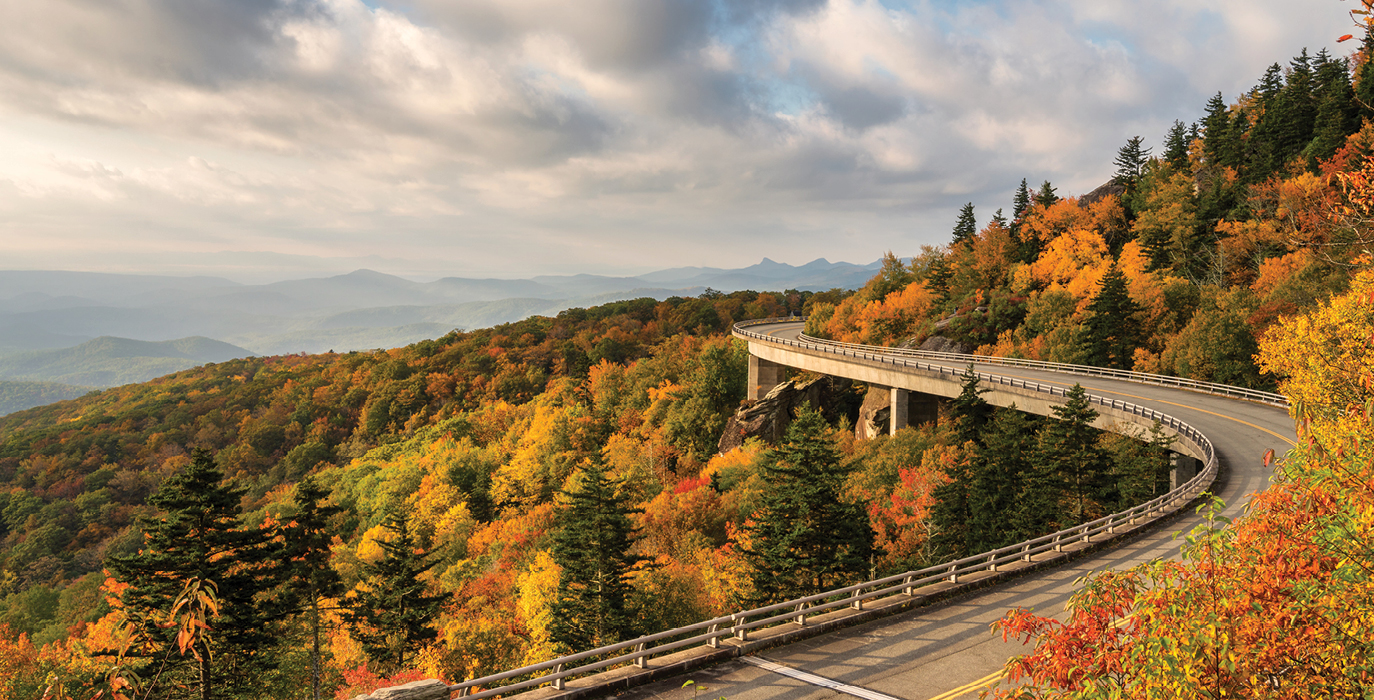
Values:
[(110, 361)]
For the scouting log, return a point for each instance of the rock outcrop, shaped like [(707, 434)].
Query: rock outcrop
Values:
[(768, 418), (939, 343), (875, 414), (417, 690)]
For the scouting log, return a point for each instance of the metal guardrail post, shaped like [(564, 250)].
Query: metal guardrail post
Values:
[(857, 603), (558, 682), (643, 660)]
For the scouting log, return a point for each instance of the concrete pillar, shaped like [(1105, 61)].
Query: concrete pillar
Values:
[(901, 408), (1181, 469), (763, 376)]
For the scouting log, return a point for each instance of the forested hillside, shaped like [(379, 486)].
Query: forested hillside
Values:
[(494, 497)]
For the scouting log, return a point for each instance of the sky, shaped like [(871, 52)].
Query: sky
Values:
[(269, 139)]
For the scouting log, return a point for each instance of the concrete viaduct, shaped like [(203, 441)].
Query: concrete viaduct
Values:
[(924, 635)]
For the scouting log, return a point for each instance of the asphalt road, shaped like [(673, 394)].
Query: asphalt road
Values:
[(949, 651)]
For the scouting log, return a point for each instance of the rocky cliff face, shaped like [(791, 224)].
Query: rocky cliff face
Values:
[(875, 414), (769, 417)]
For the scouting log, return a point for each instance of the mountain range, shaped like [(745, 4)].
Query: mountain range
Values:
[(359, 310), (64, 333)]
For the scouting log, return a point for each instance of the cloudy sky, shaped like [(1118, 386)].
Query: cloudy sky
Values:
[(265, 139)]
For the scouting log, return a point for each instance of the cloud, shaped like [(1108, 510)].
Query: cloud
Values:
[(541, 135)]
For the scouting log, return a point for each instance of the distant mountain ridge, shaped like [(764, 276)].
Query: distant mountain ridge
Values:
[(363, 309), (109, 361)]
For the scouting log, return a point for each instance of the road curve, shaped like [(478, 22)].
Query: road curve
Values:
[(948, 651)]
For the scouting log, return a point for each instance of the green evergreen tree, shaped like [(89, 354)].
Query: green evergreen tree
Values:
[(938, 276), (1111, 331), (1337, 111), (966, 227), (1020, 204), (951, 515), (1176, 146), (998, 219), (1068, 447), (1046, 196), (805, 537), (592, 546), (391, 611), (1130, 160), (312, 578), (996, 484), (198, 539), (1141, 467), (1219, 146)]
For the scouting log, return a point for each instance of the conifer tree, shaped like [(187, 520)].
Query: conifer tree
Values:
[(951, 515), (1003, 458), (198, 539), (1130, 159), (391, 611), (1068, 447), (1020, 204), (805, 537), (1046, 196), (998, 219), (938, 276), (966, 227), (1218, 146), (1110, 332), (312, 579), (592, 547), (1337, 111), (1176, 146), (1141, 467)]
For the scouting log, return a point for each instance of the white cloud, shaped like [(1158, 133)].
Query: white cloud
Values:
[(538, 135)]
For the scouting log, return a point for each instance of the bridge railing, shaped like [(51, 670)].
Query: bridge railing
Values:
[(738, 625), (1265, 397)]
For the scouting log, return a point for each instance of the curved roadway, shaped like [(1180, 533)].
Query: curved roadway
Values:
[(948, 651)]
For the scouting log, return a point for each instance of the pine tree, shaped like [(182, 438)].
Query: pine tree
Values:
[(198, 540), (1068, 447), (1110, 332), (1337, 110), (805, 537), (998, 219), (1130, 159), (951, 515), (1003, 459), (1141, 467), (592, 547), (391, 612), (1046, 197), (1176, 146), (966, 227), (308, 538), (1218, 146), (1020, 204), (938, 276)]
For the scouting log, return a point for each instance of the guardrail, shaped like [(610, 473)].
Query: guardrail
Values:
[(795, 612), (1265, 397)]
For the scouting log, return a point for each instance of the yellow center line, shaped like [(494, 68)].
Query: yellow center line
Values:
[(970, 687)]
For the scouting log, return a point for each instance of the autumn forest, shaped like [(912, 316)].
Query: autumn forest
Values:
[(370, 518)]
